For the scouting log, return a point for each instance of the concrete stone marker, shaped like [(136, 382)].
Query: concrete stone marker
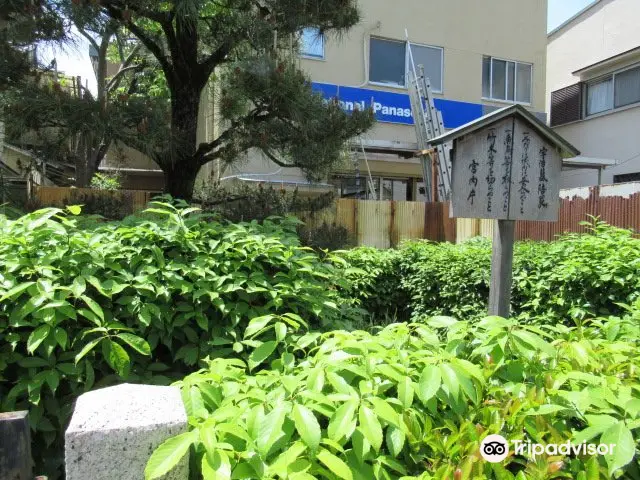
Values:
[(114, 430)]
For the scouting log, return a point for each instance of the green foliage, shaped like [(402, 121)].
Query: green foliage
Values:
[(106, 181), (326, 236), (415, 402), (375, 281), (110, 204), (578, 276), (244, 203), (145, 300)]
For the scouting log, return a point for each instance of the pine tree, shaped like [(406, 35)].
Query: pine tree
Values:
[(265, 100)]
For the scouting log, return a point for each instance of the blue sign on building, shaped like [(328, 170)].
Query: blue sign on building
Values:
[(393, 107)]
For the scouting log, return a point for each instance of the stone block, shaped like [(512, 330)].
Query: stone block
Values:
[(114, 430)]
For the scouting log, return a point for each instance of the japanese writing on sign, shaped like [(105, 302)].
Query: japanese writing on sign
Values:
[(505, 171)]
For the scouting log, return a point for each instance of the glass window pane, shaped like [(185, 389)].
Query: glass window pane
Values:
[(387, 61), (499, 83), (511, 80), (353, 187), (431, 59), (627, 89), (394, 189), (312, 42), (523, 83), (600, 96), (486, 77)]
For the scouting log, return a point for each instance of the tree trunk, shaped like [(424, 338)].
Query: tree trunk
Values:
[(182, 166), (180, 181)]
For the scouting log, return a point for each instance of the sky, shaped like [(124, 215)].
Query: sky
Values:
[(75, 60)]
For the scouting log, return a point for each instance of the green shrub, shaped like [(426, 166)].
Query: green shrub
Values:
[(145, 300), (577, 276), (106, 181), (415, 401), (580, 275), (326, 236), (375, 282)]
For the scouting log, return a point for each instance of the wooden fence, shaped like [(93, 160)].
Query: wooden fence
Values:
[(384, 224), (617, 205), (134, 200)]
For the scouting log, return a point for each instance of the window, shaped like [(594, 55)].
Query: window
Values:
[(312, 43), (385, 188), (613, 91), (506, 80), (626, 177), (431, 60), (600, 96), (627, 87), (389, 62), (394, 189)]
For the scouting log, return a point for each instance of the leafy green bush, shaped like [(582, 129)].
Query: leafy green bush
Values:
[(375, 282), (106, 181), (415, 402), (580, 275), (326, 236), (577, 276), (144, 300)]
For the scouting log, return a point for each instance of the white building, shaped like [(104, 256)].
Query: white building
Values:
[(593, 76)]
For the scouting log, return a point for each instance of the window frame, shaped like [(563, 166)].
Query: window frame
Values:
[(596, 81), (602, 78), (407, 46), (319, 35), (491, 98), (382, 84)]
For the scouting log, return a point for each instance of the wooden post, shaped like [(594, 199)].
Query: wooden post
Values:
[(15, 446), (501, 271), (434, 175)]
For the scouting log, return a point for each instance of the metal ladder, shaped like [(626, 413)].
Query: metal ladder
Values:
[(429, 125)]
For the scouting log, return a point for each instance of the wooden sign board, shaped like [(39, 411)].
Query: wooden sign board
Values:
[(506, 171)]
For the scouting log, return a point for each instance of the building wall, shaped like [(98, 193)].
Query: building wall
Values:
[(466, 30), (605, 30)]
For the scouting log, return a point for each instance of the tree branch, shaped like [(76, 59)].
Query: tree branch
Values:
[(275, 160), (124, 67), (218, 57), (92, 41), (147, 41), (205, 153)]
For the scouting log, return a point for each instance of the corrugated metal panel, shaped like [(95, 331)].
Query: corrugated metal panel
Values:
[(486, 228), (408, 221), (438, 225), (374, 223), (345, 214), (467, 228)]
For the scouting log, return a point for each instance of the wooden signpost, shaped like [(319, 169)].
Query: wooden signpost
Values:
[(505, 166)]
